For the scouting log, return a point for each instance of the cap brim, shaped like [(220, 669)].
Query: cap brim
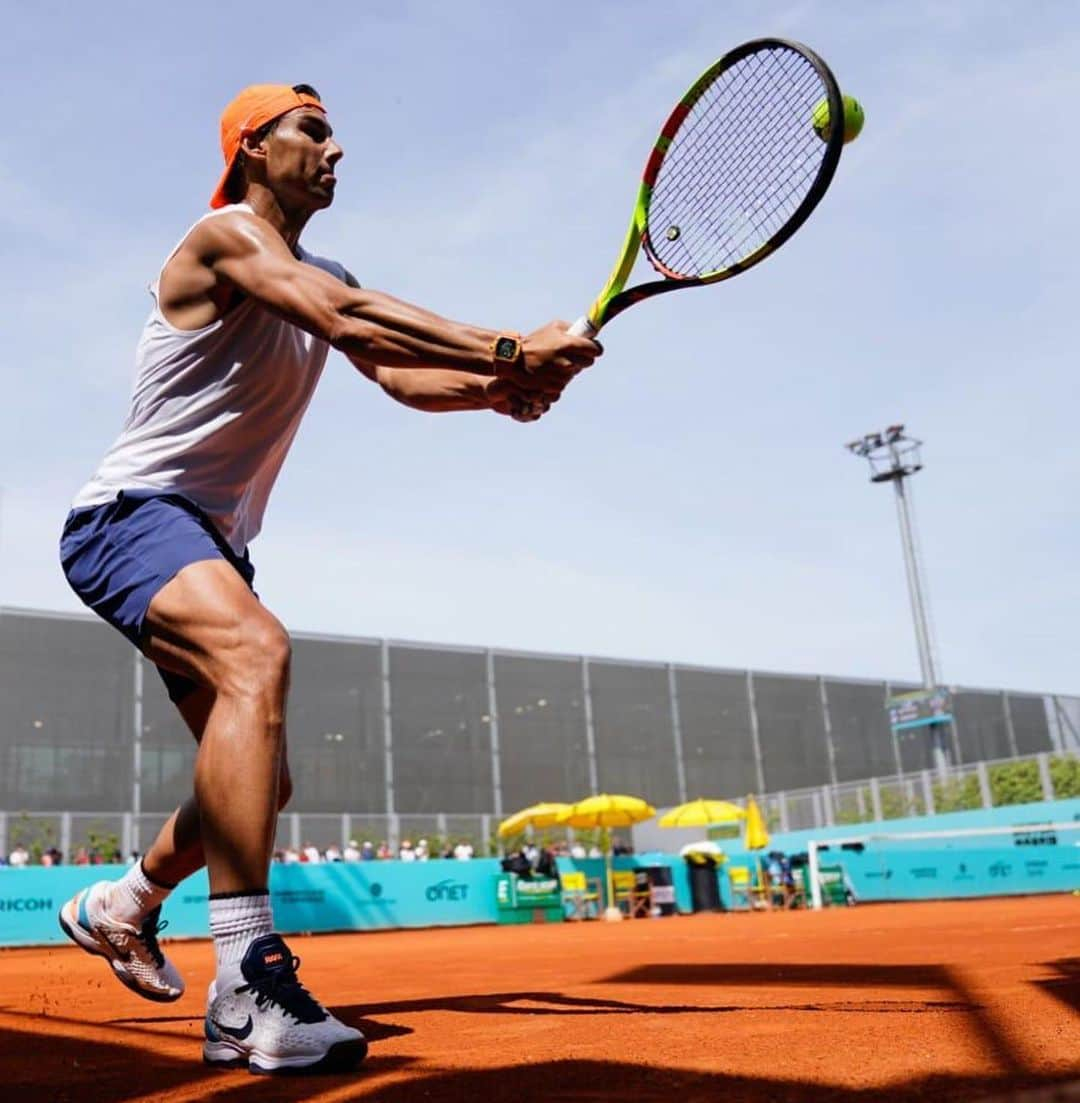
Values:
[(220, 198)]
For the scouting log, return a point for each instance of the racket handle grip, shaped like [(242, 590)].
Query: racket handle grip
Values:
[(583, 328)]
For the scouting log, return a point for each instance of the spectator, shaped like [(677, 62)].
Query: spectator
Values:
[(367, 851), (82, 858), (333, 853), (384, 852), (311, 853), (577, 851), (407, 853), (351, 853), (595, 851), (422, 853), (20, 856), (463, 851), (531, 852), (291, 855), (545, 864)]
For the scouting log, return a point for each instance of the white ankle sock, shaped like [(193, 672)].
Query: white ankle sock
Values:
[(237, 919), (134, 896)]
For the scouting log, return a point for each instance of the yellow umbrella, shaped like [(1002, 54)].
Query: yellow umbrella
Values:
[(702, 813), (536, 815), (757, 834), (606, 811)]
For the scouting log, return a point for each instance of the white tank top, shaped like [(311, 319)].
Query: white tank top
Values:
[(214, 410)]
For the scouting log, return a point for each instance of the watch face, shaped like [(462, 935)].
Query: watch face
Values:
[(506, 348)]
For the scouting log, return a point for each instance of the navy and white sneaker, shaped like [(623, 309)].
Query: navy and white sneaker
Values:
[(133, 952), (261, 1016)]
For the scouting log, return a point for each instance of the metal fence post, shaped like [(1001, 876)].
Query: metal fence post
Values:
[(781, 799), (983, 775), (826, 803), (815, 801), (927, 792), (875, 798), (826, 719), (755, 731), (590, 731), (126, 844), (65, 836), (1010, 730), (388, 731), (676, 732), (3, 837), (133, 841), (346, 829), (493, 731), (1043, 760), (294, 830)]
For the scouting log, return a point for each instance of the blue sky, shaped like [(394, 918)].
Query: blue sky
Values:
[(689, 499)]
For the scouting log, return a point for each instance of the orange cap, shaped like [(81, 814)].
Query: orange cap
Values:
[(253, 108)]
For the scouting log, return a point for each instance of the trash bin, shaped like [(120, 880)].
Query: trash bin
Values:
[(662, 885), (704, 886)]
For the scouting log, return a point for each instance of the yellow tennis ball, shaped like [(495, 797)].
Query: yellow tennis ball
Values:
[(853, 119)]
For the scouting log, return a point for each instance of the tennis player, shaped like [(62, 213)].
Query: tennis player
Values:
[(157, 543)]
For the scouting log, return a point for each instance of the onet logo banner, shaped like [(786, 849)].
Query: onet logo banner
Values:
[(448, 889)]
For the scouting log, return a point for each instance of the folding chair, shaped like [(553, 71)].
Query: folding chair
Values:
[(578, 901), (633, 893), (748, 885)]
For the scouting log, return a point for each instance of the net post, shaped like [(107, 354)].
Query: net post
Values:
[(814, 873)]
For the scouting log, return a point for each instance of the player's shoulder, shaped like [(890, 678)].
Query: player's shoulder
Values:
[(229, 229)]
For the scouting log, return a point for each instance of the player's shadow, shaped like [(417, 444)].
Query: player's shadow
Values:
[(582, 1081), (557, 1003), (796, 975), (1064, 985)]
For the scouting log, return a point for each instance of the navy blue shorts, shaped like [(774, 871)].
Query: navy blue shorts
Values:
[(118, 555)]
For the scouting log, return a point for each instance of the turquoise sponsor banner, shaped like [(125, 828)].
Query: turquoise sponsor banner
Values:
[(331, 896), (1028, 861)]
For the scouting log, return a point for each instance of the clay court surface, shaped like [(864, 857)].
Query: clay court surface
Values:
[(952, 1001)]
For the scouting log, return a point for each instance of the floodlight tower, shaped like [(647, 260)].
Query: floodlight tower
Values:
[(894, 457)]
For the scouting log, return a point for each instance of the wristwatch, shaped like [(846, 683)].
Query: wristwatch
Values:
[(505, 350)]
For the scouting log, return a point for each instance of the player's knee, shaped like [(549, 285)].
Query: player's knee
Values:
[(258, 664)]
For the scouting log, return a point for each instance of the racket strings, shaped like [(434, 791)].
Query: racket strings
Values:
[(719, 171), (728, 220), (739, 166), (701, 162), (704, 155)]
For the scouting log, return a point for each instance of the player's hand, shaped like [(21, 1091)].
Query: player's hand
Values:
[(508, 399), (550, 358)]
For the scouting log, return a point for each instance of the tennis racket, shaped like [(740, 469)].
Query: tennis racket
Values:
[(737, 169)]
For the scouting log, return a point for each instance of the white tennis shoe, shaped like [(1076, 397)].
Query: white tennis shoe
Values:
[(133, 952), (261, 1016)]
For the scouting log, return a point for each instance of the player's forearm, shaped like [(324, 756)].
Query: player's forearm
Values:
[(434, 390), (380, 329)]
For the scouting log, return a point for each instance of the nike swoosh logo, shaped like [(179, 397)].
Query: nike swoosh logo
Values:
[(238, 1032)]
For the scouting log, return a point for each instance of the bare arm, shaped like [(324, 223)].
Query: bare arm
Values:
[(371, 327), (443, 391)]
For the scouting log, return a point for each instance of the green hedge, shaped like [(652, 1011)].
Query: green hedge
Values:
[(1010, 783)]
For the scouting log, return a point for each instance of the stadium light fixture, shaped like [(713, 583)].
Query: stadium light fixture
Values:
[(894, 457)]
